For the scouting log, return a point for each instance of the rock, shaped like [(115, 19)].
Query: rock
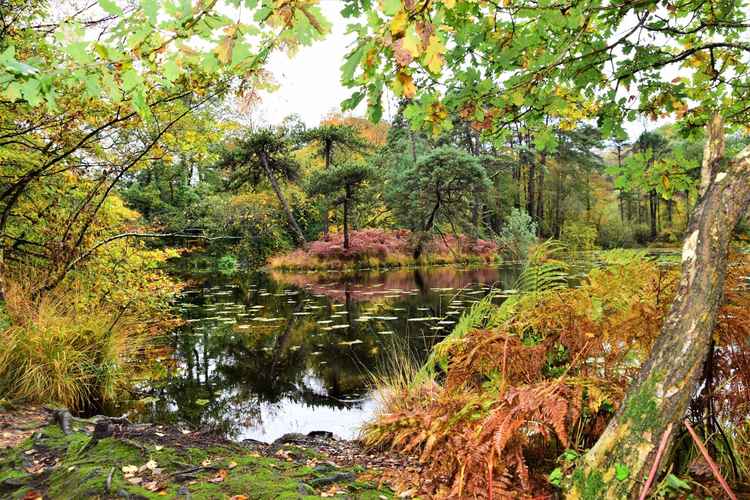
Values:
[(320, 435), (305, 489), (339, 477), (183, 492), (323, 468), (102, 429), (291, 437)]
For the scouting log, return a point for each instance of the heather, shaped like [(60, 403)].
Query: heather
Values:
[(377, 248)]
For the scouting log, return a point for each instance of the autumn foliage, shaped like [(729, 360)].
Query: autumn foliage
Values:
[(384, 248), (510, 390)]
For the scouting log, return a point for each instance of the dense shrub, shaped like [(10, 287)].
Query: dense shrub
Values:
[(377, 248), (82, 344), (518, 233), (579, 236), (510, 389)]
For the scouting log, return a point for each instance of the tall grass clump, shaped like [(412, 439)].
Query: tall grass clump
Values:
[(79, 346)]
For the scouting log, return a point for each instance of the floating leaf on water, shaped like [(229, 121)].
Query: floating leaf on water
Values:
[(351, 342)]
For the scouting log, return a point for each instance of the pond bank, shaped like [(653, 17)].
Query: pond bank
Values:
[(47, 454)]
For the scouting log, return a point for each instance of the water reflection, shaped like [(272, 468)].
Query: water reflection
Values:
[(265, 354)]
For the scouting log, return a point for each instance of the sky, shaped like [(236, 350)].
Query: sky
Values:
[(310, 86), (310, 81)]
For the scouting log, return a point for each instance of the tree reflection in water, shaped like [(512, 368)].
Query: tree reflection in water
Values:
[(265, 354)]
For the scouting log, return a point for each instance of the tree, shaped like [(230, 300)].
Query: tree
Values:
[(263, 154), (344, 181), (523, 58), (93, 94), (440, 184), (330, 139)]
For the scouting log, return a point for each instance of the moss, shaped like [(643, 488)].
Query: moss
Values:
[(82, 471), (642, 409), (589, 486)]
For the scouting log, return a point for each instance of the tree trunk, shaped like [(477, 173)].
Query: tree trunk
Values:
[(282, 199), (531, 190), (659, 397), (326, 224), (347, 197), (652, 212), (540, 193)]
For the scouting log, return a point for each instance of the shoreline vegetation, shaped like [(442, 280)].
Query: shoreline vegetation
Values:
[(47, 453), (375, 249)]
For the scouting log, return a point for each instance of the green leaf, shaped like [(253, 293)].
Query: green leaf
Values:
[(171, 70), (622, 472), (351, 63), (353, 101), (130, 80), (13, 92), (391, 7), (676, 483), (30, 90), (110, 7), (202, 402), (555, 477), (151, 9)]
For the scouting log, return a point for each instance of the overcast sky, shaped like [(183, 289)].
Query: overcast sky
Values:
[(310, 81), (310, 85)]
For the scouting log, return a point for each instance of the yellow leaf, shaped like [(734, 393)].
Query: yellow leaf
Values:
[(449, 3), (408, 89), (411, 42), (224, 49), (399, 23)]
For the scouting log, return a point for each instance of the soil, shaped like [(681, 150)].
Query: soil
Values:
[(48, 454)]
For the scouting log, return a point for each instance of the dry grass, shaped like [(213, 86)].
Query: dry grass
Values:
[(56, 350)]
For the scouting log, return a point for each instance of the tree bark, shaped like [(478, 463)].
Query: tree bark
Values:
[(660, 395), (347, 197), (282, 199), (652, 200), (326, 224), (540, 192)]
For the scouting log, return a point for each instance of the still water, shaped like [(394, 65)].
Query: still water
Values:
[(264, 354)]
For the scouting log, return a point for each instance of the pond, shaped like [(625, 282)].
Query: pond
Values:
[(265, 354)]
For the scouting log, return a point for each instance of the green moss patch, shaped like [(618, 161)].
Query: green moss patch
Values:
[(74, 467)]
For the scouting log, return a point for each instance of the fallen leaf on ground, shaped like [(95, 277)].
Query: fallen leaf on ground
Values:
[(219, 477), (129, 469), (232, 465)]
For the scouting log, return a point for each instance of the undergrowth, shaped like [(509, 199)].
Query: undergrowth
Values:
[(83, 343), (515, 385), (376, 248)]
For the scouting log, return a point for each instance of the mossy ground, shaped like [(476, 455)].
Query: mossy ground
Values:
[(52, 465)]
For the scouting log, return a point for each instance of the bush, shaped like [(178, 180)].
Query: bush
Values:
[(616, 235), (579, 236), (83, 343), (381, 248), (518, 234)]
